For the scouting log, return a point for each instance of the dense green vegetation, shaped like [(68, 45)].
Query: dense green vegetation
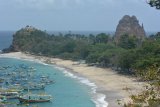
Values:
[(129, 55)]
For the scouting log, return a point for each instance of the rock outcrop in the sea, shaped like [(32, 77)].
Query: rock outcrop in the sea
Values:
[(129, 25), (25, 39)]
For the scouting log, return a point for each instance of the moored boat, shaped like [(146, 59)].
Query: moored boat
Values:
[(34, 98), (10, 95), (34, 86), (3, 99)]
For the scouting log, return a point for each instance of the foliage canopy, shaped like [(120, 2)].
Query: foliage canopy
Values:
[(154, 3)]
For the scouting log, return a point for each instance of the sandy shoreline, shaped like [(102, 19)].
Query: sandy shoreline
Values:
[(109, 82)]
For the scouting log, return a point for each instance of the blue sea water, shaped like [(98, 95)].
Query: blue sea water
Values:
[(5, 39), (66, 91)]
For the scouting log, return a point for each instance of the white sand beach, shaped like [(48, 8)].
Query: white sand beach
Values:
[(114, 86)]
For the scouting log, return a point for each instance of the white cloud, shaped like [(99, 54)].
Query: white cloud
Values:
[(64, 4), (59, 4), (37, 4)]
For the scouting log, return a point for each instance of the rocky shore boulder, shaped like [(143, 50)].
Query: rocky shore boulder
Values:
[(129, 25)]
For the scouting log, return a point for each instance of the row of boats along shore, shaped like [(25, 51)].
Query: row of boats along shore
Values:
[(20, 83)]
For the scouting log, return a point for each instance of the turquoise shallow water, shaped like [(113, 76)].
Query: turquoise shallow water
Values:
[(67, 92)]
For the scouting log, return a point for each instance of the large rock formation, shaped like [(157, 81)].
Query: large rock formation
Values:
[(25, 39), (130, 26)]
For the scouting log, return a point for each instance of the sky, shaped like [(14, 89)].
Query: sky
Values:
[(75, 15)]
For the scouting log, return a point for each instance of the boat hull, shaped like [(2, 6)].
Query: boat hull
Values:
[(33, 101)]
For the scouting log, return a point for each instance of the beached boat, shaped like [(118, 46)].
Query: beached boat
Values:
[(34, 98)]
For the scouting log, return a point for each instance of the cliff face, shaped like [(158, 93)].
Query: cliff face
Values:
[(130, 26)]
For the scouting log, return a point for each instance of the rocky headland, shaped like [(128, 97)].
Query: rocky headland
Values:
[(129, 25)]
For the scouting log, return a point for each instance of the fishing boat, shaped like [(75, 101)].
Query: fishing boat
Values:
[(3, 99), (34, 86), (10, 94), (34, 98), (20, 79)]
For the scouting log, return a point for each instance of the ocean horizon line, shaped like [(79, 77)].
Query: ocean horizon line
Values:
[(85, 32)]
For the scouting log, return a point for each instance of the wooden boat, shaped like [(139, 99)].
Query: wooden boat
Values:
[(2, 105), (34, 86), (10, 95), (3, 99), (20, 78), (34, 98)]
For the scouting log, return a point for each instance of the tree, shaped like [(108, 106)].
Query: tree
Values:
[(154, 3), (128, 42), (69, 46), (127, 59), (102, 38)]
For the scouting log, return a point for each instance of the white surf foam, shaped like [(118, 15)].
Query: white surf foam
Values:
[(97, 98)]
